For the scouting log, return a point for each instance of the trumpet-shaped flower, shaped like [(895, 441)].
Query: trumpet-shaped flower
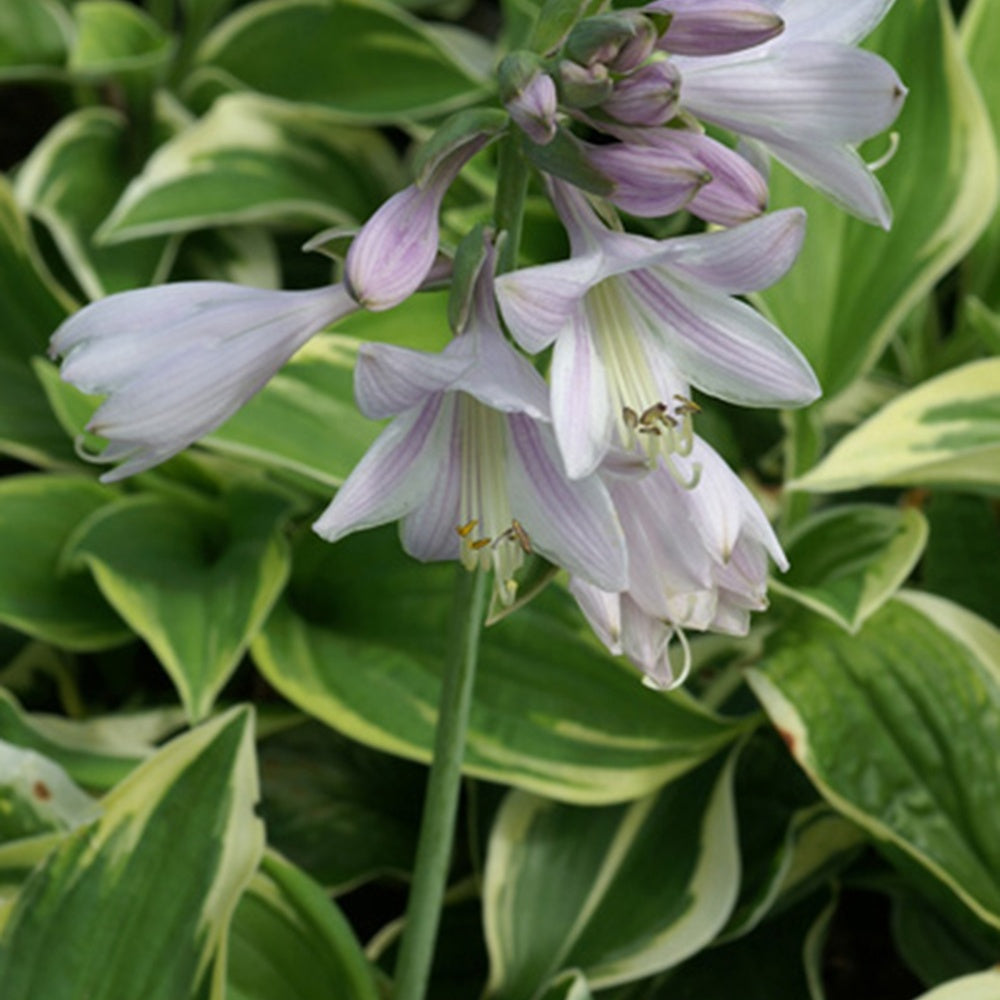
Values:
[(469, 463), (396, 248), (697, 561), (634, 320), (177, 360), (808, 96)]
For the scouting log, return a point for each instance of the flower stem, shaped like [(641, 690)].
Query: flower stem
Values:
[(437, 829), (803, 446), (508, 208)]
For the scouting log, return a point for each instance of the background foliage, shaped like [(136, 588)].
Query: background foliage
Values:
[(815, 816)]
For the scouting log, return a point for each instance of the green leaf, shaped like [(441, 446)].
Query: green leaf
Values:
[(980, 30), (367, 60), (362, 650), (70, 182), (780, 958), (789, 842), (34, 39), (37, 796), (853, 284), (39, 595), (28, 429), (310, 400), (347, 821), (116, 39), (946, 431), (980, 986), (244, 255), (290, 942), (138, 903), (195, 587), (253, 159), (962, 561), (96, 753), (619, 893), (935, 945), (910, 752), (31, 305), (848, 561)]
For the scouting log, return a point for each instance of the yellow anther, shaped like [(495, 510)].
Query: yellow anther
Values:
[(464, 530)]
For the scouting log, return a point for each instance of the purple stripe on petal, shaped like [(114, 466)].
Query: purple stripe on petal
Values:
[(395, 475), (572, 523)]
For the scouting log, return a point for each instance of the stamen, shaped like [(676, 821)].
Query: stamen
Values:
[(669, 682), (479, 543), (888, 154), (464, 530), (80, 447)]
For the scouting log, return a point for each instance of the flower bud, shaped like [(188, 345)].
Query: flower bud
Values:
[(715, 27), (584, 86), (648, 97), (620, 40), (529, 95)]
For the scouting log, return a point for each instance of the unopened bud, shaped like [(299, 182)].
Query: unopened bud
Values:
[(584, 86), (648, 97), (621, 40), (529, 95), (715, 27)]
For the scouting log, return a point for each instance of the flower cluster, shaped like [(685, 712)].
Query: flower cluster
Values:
[(599, 469)]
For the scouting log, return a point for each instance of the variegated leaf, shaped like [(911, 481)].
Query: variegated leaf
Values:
[(363, 651), (944, 432), (39, 594), (195, 585), (910, 754), (254, 159), (848, 561), (618, 893), (368, 60), (138, 903), (70, 182)]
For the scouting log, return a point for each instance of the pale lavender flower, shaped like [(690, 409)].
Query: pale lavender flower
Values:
[(698, 559), (470, 465), (729, 190), (647, 97), (713, 27), (177, 360), (393, 253), (634, 320), (534, 108), (808, 97)]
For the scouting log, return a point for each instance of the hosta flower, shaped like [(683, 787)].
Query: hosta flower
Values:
[(808, 96), (177, 360), (634, 320), (469, 464), (396, 248), (712, 27), (697, 561), (657, 171)]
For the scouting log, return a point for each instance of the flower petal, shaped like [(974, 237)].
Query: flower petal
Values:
[(602, 611), (846, 21), (537, 302), (722, 346), (572, 523), (711, 27), (581, 412), (428, 531), (841, 174), (742, 259), (395, 475), (810, 92), (390, 379)]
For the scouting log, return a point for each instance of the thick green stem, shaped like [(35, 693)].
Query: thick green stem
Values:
[(803, 446), (437, 829), (508, 211)]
